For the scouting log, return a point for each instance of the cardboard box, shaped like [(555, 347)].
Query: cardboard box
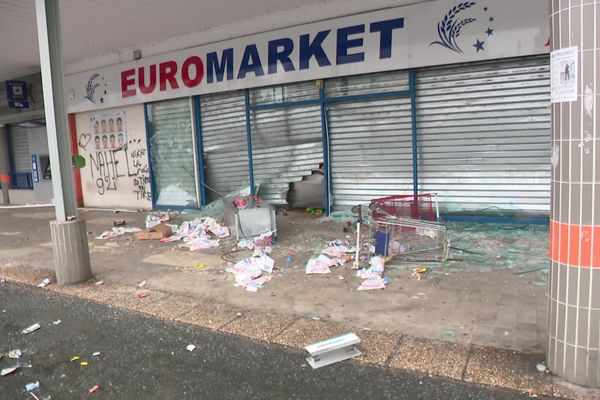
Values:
[(160, 231)]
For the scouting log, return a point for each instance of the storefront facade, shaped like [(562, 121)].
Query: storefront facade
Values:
[(25, 147), (446, 97)]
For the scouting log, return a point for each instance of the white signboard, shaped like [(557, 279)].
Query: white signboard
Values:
[(563, 71), (424, 34)]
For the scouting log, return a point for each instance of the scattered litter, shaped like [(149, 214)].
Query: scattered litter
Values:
[(340, 277), (99, 283), (372, 283), (32, 386), (95, 354), (541, 367), (44, 283), (321, 264), (190, 347), (199, 266), (337, 250), (316, 318), (117, 232), (156, 218), (118, 222), (94, 388), (246, 244), (143, 295), (74, 358), (248, 272), (448, 335), (158, 232), (57, 322), (15, 354), (83, 363), (419, 272), (32, 328), (141, 284), (526, 271), (333, 350), (2, 280), (10, 370), (202, 243), (256, 284)]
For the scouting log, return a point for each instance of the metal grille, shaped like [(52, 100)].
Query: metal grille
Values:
[(484, 135), (286, 142), (370, 141), (20, 148), (224, 141), (172, 153)]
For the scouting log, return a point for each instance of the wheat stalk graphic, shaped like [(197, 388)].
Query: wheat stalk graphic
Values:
[(449, 27), (91, 88)]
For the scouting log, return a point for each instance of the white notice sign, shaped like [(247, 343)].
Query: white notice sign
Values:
[(563, 71)]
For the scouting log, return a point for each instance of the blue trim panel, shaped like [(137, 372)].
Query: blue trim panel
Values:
[(249, 140), (148, 146), (200, 148), (300, 103), (325, 137), (11, 154), (412, 82), (369, 96), (491, 219), (341, 99)]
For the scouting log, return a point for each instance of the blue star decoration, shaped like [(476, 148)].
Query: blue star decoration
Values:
[(479, 45), (489, 31), (102, 98)]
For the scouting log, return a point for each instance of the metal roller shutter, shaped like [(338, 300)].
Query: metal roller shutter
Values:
[(224, 142), (172, 153), (484, 135), (20, 148), (370, 141), (287, 143)]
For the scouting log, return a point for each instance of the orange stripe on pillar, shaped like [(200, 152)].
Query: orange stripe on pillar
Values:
[(4, 178), (575, 245)]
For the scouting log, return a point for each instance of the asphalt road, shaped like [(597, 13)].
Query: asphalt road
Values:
[(146, 358)]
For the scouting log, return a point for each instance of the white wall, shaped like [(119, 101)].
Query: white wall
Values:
[(116, 178), (38, 145)]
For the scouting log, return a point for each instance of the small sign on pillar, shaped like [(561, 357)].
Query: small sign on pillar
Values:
[(17, 94), (563, 72), (34, 168)]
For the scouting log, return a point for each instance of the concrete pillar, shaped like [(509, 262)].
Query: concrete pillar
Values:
[(4, 165), (574, 290), (69, 237)]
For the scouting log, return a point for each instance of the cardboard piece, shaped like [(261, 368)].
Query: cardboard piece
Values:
[(160, 231)]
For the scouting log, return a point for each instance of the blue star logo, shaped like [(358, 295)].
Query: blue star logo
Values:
[(489, 31), (479, 45)]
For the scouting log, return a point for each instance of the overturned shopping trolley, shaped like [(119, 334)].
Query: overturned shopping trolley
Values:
[(410, 236)]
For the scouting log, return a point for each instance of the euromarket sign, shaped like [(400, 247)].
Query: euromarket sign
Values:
[(425, 34)]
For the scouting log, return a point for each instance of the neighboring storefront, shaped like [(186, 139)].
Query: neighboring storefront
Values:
[(436, 97), (23, 126)]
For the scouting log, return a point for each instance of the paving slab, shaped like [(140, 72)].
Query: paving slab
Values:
[(259, 325), (210, 315), (170, 307), (306, 331), (508, 368), (433, 357)]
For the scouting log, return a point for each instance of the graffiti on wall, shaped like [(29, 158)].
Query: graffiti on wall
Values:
[(115, 163)]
